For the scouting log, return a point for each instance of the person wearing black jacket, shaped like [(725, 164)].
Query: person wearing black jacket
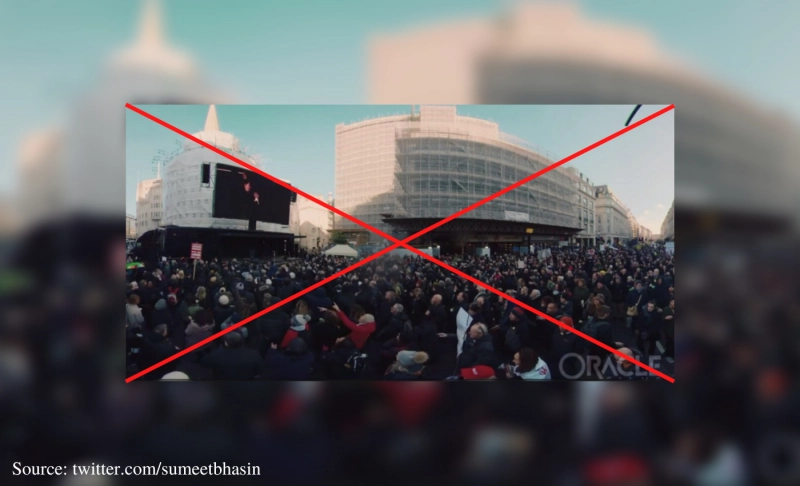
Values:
[(647, 327), (234, 361), (437, 312), (396, 324), (477, 348), (516, 332), (293, 364), (636, 298), (385, 311), (346, 299), (274, 324), (565, 352), (156, 348)]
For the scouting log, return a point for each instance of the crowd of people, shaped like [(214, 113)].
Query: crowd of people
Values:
[(406, 318)]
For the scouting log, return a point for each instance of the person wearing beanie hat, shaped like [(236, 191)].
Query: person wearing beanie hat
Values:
[(516, 333), (299, 329), (409, 366), (223, 310)]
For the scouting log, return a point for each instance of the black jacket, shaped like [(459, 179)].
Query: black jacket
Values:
[(274, 325), (286, 366), (234, 363), (476, 352), (395, 325), (155, 349)]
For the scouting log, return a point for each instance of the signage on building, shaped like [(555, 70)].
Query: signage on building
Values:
[(197, 251), (517, 216)]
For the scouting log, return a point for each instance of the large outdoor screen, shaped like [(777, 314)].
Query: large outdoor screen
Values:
[(243, 194)]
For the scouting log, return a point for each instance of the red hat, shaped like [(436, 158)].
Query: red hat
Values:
[(517, 311), (480, 372)]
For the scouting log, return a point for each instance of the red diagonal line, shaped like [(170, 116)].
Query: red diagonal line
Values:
[(381, 233), (259, 171), (261, 313), (540, 313)]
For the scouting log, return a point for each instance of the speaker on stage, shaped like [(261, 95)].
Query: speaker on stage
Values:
[(206, 173)]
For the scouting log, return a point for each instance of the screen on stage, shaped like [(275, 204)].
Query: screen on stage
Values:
[(243, 194)]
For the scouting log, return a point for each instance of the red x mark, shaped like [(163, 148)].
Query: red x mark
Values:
[(399, 243)]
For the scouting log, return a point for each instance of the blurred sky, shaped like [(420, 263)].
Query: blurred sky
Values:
[(298, 143), (314, 52)]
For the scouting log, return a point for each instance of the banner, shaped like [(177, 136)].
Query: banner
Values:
[(197, 251), (462, 321)]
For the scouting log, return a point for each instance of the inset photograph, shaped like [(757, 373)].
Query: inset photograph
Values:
[(400, 242)]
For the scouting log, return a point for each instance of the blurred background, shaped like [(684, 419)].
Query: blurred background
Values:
[(733, 415)]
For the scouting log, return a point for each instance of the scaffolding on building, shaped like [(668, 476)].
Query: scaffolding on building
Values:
[(440, 172)]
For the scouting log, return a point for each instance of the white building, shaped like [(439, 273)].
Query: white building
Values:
[(79, 167), (187, 201), (586, 207), (613, 217), (314, 223), (431, 163), (736, 157), (149, 205)]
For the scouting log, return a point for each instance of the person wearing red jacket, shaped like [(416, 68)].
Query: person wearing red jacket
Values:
[(359, 333)]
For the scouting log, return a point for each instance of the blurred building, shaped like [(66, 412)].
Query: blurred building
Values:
[(149, 205), (76, 168), (130, 226), (735, 158), (668, 226), (613, 217), (314, 223), (402, 173), (586, 203)]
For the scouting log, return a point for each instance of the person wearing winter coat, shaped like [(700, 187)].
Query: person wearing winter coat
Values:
[(477, 348), (293, 364), (527, 365), (223, 309), (298, 329), (408, 367)]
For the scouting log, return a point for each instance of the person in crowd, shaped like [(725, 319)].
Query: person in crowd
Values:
[(299, 329), (637, 297), (668, 330), (295, 363), (647, 328), (200, 327), (408, 367), (195, 302), (223, 309), (397, 322), (527, 365), (234, 361), (477, 348), (157, 347), (133, 313), (565, 348), (360, 331)]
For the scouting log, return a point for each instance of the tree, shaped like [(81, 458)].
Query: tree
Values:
[(338, 238)]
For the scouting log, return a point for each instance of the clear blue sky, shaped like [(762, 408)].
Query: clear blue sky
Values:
[(297, 142)]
